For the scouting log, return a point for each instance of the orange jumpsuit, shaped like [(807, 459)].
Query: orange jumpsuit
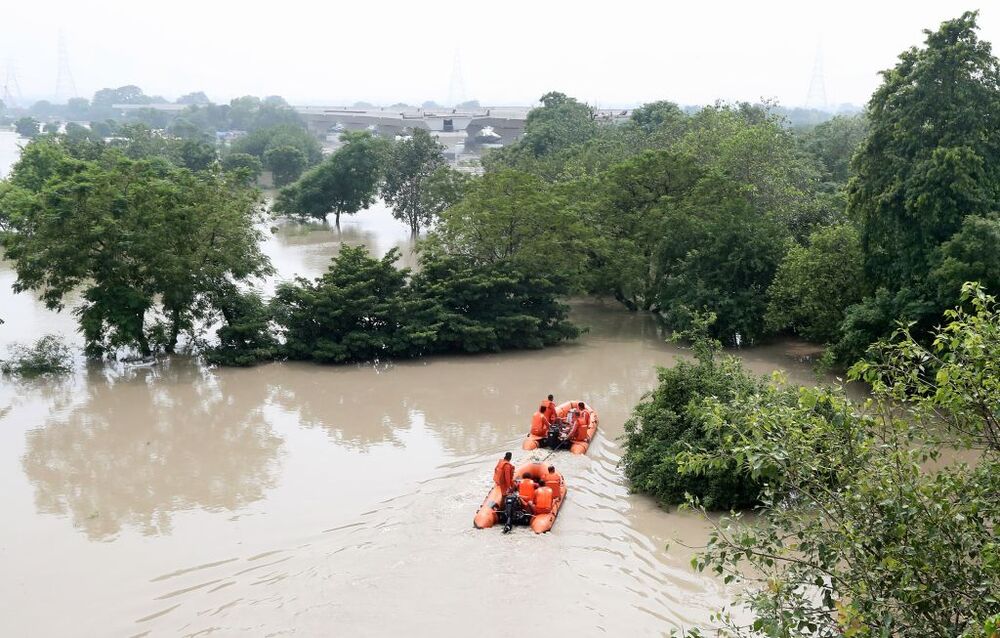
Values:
[(582, 426), (550, 410), (503, 475), (539, 424)]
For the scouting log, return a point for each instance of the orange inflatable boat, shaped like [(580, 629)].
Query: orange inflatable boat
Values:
[(580, 443), (535, 500)]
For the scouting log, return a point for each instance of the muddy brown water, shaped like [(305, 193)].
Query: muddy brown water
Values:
[(298, 499)]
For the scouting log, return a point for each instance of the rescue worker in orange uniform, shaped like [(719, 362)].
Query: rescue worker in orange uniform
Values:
[(550, 408), (503, 474), (540, 422), (581, 424)]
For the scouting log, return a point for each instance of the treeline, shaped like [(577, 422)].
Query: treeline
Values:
[(867, 522), (260, 133), (367, 309), (833, 233), (162, 242)]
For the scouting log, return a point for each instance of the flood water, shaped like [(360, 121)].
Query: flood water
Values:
[(307, 500)]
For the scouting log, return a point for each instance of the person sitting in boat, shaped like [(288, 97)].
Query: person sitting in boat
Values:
[(580, 423), (553, 481), (526, 491), (503, 474), (540, 422)]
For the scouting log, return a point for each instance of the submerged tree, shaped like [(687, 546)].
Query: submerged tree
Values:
[(344, 183), (149, 244), (409, 167)]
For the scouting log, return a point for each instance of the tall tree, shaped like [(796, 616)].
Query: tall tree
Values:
[(344, 183), (932, 154), (410, 164)]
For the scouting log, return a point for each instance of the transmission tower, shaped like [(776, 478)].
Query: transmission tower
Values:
[(456, 89), (65, 86), (816, 98), (11, 89)]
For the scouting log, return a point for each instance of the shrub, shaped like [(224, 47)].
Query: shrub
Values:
[(47, 355), (671, 421)]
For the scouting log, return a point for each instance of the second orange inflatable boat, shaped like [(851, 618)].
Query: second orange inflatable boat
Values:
[(580, 443), (535, 501)]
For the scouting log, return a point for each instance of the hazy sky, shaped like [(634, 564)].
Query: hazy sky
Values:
[(610, 53)]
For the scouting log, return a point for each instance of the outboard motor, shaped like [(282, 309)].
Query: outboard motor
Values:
[(552, 438), (511, 506)]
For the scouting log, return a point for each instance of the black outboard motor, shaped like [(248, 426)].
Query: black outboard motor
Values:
[(552, 438), (511, 506)]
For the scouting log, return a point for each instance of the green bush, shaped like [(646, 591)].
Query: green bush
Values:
[(246, 339), (48, 355), (671, 422)]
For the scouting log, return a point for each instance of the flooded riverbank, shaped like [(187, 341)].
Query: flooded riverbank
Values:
[(300, 499)]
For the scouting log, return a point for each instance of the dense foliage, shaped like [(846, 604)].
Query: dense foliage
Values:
[(671, 421), (149, 246), (930, 159), (868, 528), (366, 309)]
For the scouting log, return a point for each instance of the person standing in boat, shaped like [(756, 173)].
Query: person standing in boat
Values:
[(550, 409), (503, 474)]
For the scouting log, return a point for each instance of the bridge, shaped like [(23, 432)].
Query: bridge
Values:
[(507, 122), (453, 127)]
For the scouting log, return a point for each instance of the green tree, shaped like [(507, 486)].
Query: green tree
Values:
[(834, 143), (866, 530), (511, 217), (930, 157), (971, 254), (286, 164), (719, 254), (488, 307), (261, 140), (148, 244), (128, 94), (409, 166), (197, 97), (816, 283), (27, 127), (344, 183), (625, 208), (196, 155), (246, 338), (243, 164), (559, 123)]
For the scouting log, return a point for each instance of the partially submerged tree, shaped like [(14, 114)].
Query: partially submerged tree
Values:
[(344, 183), (149, 245), (410, 164)]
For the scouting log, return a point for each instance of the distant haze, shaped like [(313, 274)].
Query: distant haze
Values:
[(607, 53)]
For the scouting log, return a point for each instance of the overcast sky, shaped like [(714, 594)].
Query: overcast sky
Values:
[(609, 53)]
